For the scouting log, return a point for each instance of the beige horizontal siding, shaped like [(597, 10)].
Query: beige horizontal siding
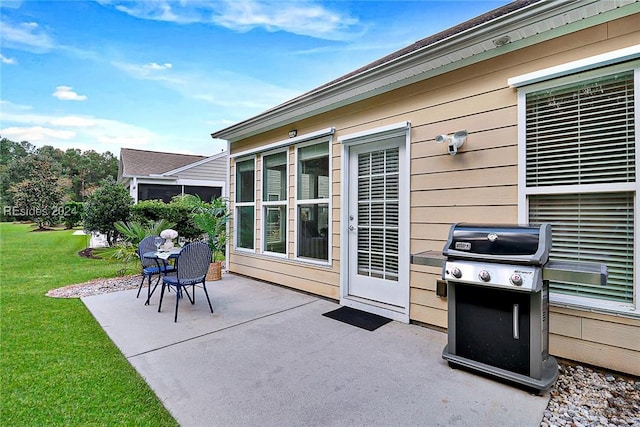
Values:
[(617, 338), (320, 281), (597, 354)]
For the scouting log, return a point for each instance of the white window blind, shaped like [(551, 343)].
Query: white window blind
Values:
[(378, 209), (591, 227), (578, 135), (582, 133)]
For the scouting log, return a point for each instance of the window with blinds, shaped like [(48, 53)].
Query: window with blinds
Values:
[(591, 227), (581, 137), (582, 134)]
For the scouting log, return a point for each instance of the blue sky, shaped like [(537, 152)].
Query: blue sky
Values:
[(162, 75)]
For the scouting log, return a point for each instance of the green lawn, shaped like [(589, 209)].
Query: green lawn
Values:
[(57, 366)]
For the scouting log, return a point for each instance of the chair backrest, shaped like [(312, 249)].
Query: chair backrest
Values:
[(193, 262), (147, 244)]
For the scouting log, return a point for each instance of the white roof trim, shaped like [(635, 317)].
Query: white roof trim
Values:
[(608, 58), (194, 164), (285, 142)]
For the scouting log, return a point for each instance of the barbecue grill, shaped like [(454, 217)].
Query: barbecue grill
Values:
[(497, 285)]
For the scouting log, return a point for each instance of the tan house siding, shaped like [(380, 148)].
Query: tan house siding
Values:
[(480, 184)]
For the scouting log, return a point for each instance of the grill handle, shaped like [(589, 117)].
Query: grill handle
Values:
[(516, 322)]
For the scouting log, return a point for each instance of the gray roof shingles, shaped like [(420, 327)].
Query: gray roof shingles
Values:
[(144, 163)]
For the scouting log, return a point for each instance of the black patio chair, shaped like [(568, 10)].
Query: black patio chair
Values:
[(150, 266), (191, 270)]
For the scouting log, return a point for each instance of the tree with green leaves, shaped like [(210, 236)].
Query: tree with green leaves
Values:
[(109, 204), (40, 197), (85, 170)]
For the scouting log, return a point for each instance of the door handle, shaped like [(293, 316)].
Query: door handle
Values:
[(516, 324)]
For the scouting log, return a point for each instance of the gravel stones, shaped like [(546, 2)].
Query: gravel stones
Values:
[(97, 287), (586, 397)]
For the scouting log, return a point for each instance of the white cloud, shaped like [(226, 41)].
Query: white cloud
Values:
[(65, 93), (155, 66), (7, 60), (243, 94), (299, 17), (302, 17), (67, 131), (35, 134), (26, 35), (74, 121)]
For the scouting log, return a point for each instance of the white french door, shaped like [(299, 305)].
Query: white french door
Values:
[(375, 226)]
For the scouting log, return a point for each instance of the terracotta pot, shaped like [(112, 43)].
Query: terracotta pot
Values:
[(214, 272)]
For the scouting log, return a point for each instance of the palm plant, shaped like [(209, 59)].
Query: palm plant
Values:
[(133, 232), (212, 219)]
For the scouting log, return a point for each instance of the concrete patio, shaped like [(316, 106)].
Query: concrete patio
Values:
[(268, 357)]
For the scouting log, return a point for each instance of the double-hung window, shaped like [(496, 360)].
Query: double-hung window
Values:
[(245, 204), (312, 201), (275, 188), (580, 156)]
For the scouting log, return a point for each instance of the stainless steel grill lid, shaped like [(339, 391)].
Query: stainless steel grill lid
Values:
[(529, 245)]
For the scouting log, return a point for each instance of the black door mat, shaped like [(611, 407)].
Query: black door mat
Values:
[(358, 318)]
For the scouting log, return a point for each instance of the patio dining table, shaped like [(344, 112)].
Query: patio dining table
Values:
[(161, 257)]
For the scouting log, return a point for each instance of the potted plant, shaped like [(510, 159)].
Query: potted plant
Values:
[(212, 219)]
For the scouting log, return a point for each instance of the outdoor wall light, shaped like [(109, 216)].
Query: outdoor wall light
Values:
[(293, 133), (453, 140), (502, 41)]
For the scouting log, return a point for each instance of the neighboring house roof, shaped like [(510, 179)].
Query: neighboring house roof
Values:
[(514, 26), (145, 163)]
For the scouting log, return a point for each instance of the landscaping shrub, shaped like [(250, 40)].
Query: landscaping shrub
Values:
[(72, 214), (178, 212)]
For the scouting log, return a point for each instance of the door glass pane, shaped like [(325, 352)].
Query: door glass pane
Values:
[(378, 211)]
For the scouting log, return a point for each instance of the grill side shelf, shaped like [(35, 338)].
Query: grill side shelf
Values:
[(576, 272), (429, 258)]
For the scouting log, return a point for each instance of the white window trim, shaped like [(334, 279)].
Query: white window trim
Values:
[(237, 204), (585, 64), (298, 202), (266, 204), (558, 76), (285, 142)]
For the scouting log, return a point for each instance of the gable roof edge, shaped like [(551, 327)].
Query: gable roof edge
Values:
[(193, 165)]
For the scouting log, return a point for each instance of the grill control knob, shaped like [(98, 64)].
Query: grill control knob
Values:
[(516, 279), (456, 272), (484, 276)]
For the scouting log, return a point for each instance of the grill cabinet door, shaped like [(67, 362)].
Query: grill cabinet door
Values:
[(485, 327)]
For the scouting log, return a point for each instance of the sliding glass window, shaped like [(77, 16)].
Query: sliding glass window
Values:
[(245, 204), (312, 202), (274, 202)]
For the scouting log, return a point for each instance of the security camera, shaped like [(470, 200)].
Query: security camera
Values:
[(453, 149), (457, 141)]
